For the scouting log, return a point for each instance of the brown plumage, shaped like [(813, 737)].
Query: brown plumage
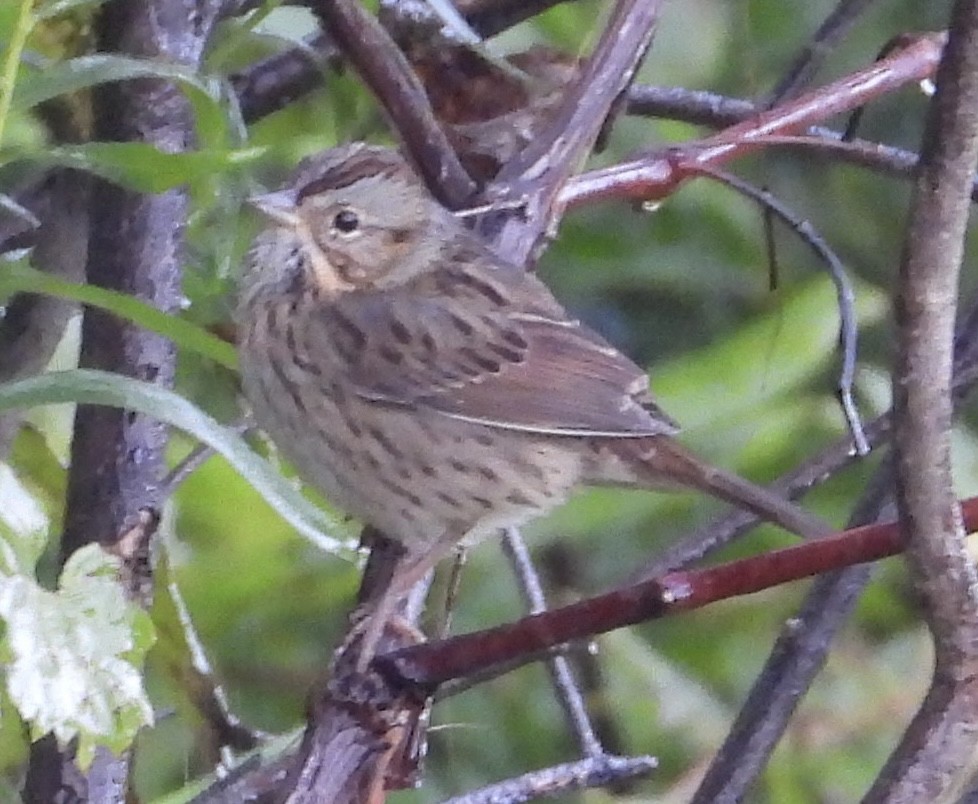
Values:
[(430, 389)]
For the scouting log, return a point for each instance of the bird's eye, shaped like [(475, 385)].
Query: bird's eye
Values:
[(346, 221)]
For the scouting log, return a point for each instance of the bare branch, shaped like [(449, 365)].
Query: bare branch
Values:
[(587, 773), (386, 71), (538, 175), (660, 173), (561, 674), (940, 741), (428, 665), (274, 82), (829, 34)]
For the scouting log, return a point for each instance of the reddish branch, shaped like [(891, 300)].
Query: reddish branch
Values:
[(659, 174), (426, 666)]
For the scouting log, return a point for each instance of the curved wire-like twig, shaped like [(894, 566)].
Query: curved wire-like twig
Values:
[(843, 287)]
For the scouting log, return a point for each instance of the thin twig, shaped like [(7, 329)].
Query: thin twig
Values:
[(581, 775), (561, 674), (200, 683), (843, 288), (196, 458), (829, 34)]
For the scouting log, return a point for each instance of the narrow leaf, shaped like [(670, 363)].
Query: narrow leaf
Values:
[(82, 72), (140, 166), (19, 277), (104, 388)]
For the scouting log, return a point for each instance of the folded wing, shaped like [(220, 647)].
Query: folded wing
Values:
[(495, 360)]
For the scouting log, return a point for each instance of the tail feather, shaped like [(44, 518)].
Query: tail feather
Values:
[(661, 462)]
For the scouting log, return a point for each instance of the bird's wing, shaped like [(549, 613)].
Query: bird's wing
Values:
[(492, 360)]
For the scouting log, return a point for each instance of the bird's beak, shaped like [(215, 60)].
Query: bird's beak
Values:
[(279, 207)]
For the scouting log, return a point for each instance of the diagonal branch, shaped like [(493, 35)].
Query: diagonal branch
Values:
[(427, 665), (658, 174), (836, 25), (537, 177), (384, 68)]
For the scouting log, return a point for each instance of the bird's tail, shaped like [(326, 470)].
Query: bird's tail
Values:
[(661, 462)]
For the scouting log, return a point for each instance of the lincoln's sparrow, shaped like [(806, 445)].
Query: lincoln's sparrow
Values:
[(429, 388)]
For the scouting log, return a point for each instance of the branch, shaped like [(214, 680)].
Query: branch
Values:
[(658, 174), (384, 68), (600, 771), (558, 666), (430, 664), (117, 456), (537, 177), (939, 743), (274, 82)]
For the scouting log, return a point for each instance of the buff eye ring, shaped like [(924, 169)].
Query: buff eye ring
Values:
[(346, 221)]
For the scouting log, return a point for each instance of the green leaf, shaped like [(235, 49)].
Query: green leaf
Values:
[(82, 72), (104, 388), (54, 8), (20, 28), (71, 75), (19, 277), (140, 166), (76, 654)]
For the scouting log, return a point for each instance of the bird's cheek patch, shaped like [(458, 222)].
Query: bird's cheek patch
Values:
[(328, 277)]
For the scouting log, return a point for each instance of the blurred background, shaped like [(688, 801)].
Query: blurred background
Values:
[(748, 371)]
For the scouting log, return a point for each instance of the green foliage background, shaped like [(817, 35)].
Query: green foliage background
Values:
[(749, 373)]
